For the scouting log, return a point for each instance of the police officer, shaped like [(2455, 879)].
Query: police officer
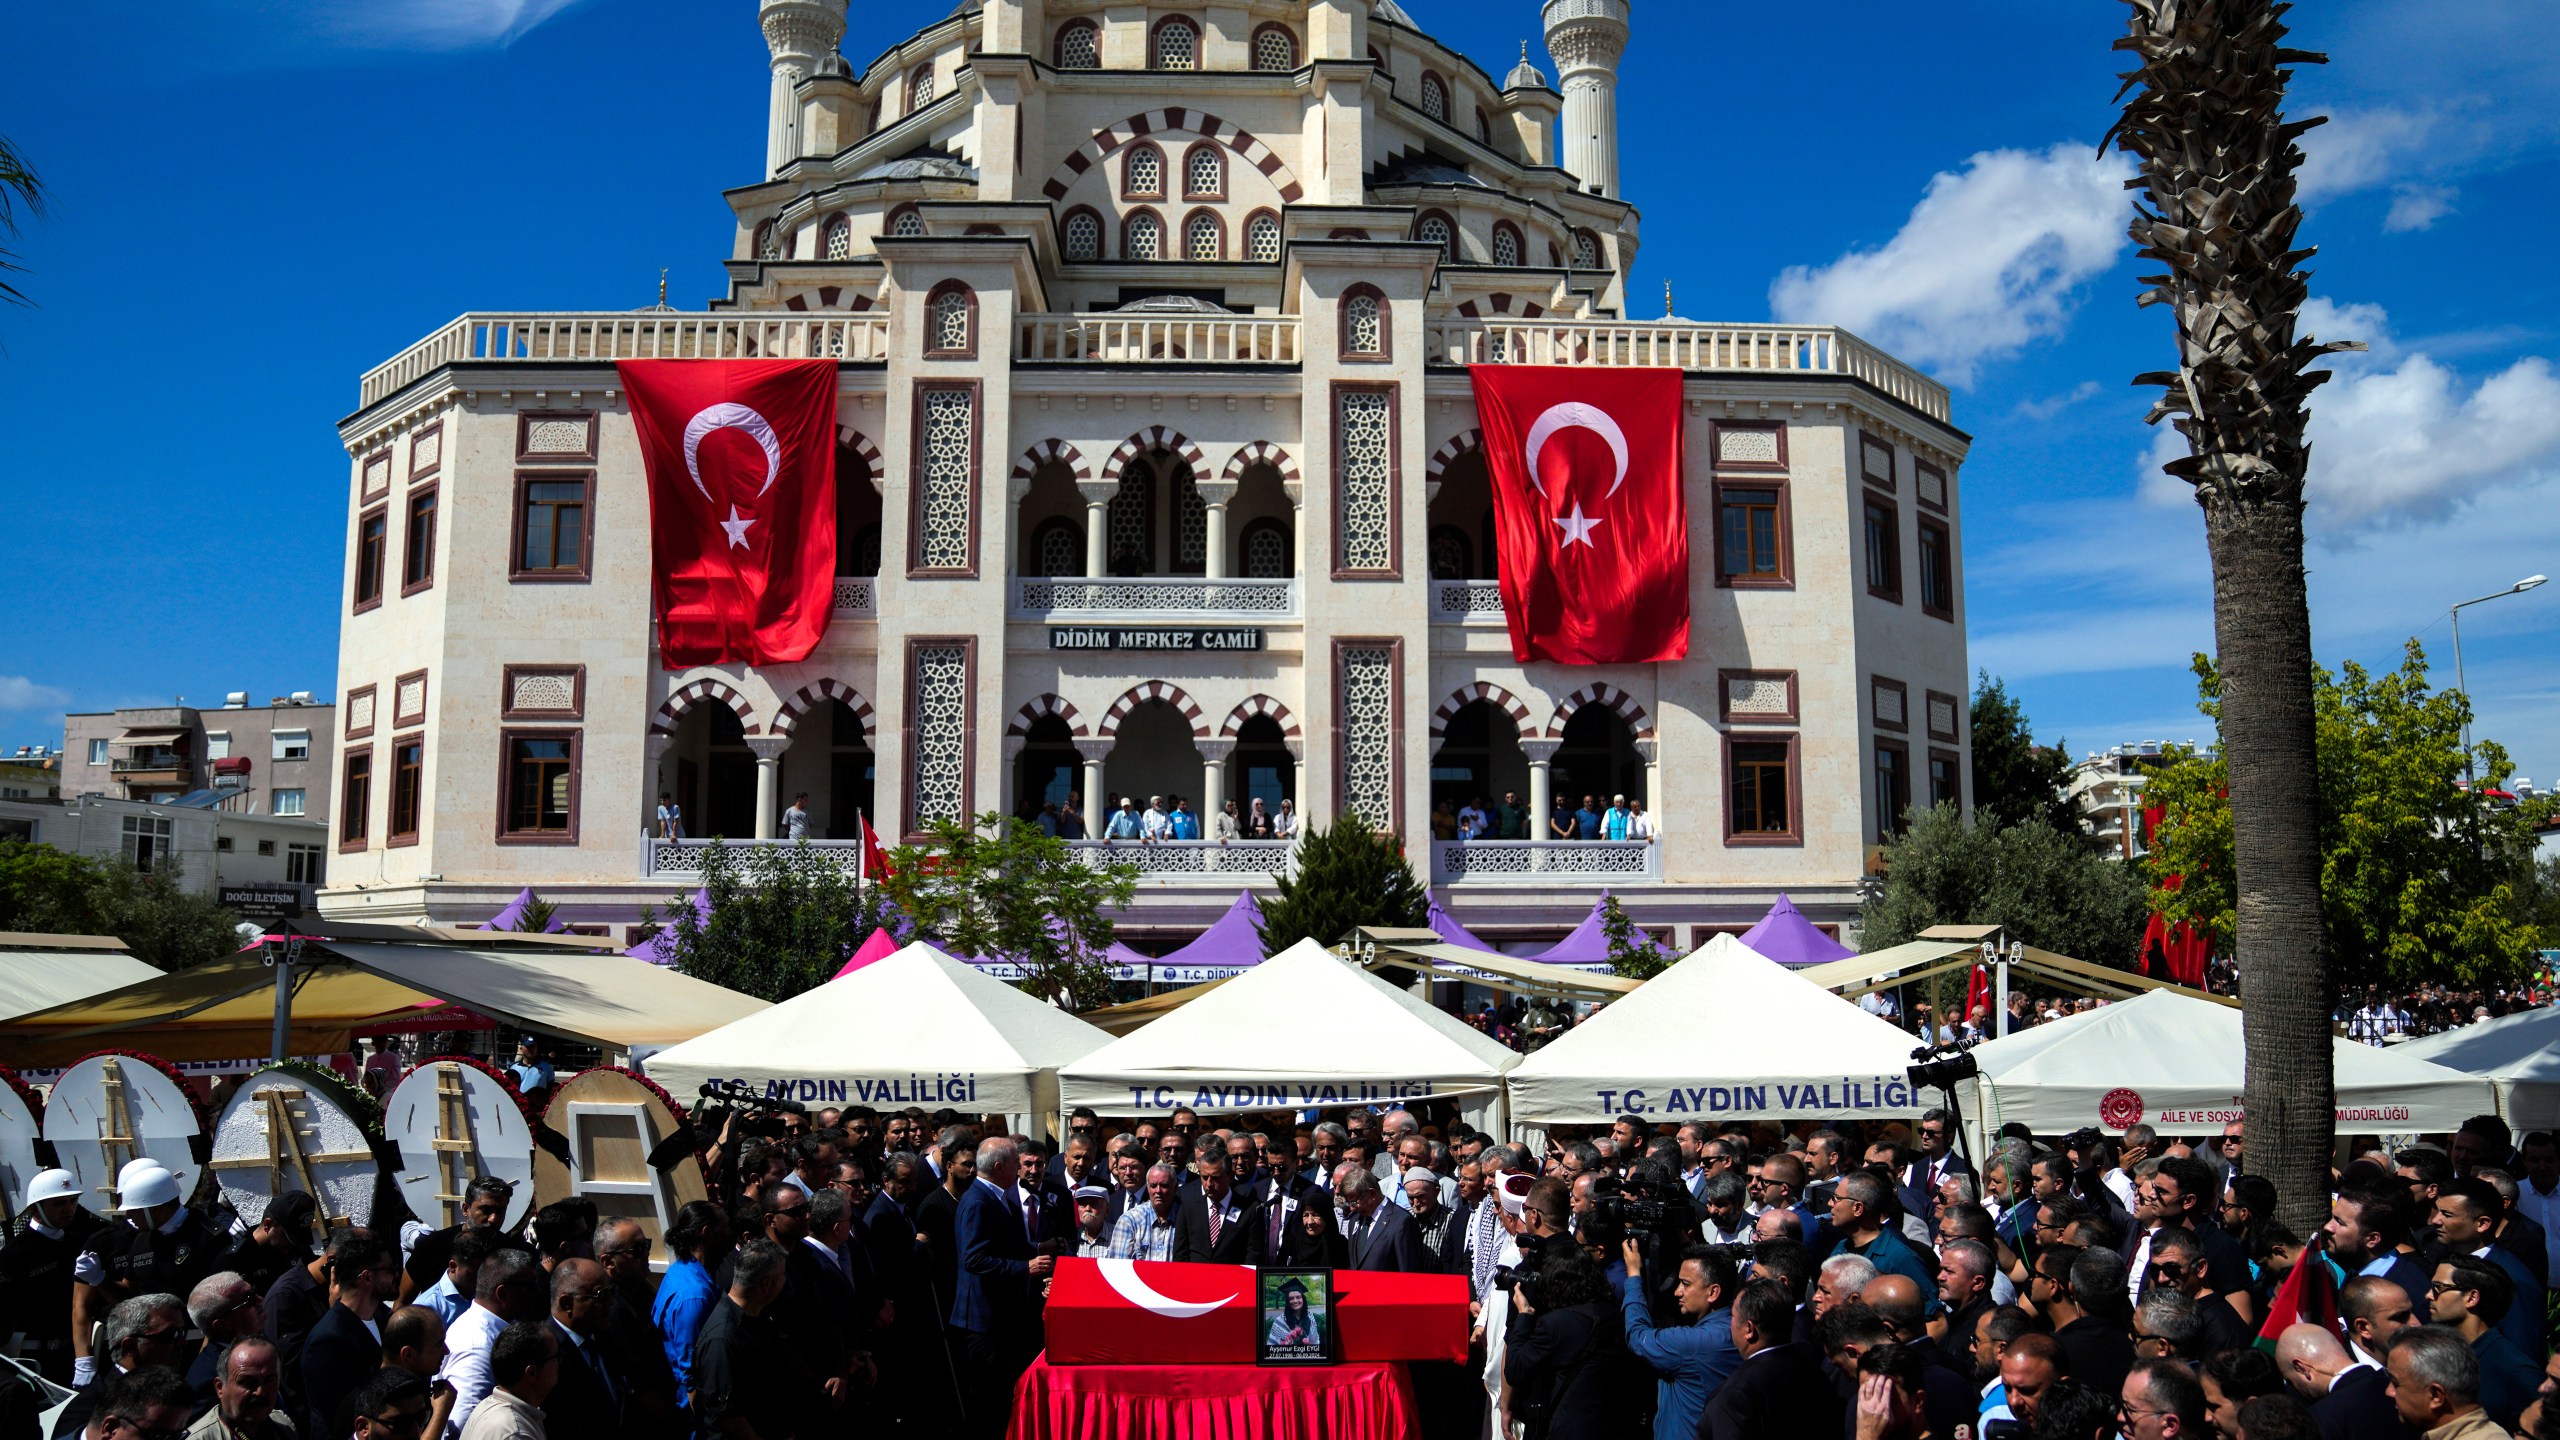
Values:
[(35, 1274), (156, 1246)]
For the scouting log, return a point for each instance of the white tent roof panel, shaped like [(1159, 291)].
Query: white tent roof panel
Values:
[(2517, 1054)]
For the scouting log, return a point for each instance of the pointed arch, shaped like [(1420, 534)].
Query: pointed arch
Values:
[(1041, 707), (1492, 694), (1247, 148), (1464, 443), (1601, 692), (1047, 452), (1146, 690), (1254, 705), (817, 693), (1502, 303), (1260, 452), (707, 690), (1153, 438)]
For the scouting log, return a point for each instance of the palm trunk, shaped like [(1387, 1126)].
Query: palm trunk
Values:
[(2262, 629)]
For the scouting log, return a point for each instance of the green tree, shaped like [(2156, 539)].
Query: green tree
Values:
[(1005, 889), (160, 921), (2538, 899), (536, 919), (1347, 876), (18, 186), (2042, 886), (2420, 880), (2015, 780), (1632, 952), (775, 926)]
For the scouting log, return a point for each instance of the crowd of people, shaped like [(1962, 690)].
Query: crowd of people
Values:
[(2379, 1017), (1482, 818), (867, 1271)]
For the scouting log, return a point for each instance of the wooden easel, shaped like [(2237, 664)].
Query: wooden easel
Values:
[(457, 1150), (285, 1154), (115, 1129)]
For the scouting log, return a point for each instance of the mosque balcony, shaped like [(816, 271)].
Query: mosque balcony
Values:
[(1466, 602), (857, 597), (681, 860), (1153, 597), (602, 337), (1190, 339), (1501, 862), (1219, 861), (1814, 350)]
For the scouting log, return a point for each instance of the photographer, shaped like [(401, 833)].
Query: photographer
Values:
[(1565, 1354), (1691, 1359)]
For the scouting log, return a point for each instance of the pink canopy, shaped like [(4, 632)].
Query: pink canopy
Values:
[(1784, 935), (880, 946)]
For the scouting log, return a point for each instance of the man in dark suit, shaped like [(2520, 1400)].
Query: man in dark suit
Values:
[(1217, 1225), (586, 1402), (1936, 1160), (992, 1312), (1048, 1206), (630, 1339), (345, 1347), (1779, 1388), (1379, 1236), (2349, 1400), (1128, 1181)]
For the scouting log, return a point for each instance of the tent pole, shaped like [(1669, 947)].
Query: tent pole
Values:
[(284, 958), (2000, 996)]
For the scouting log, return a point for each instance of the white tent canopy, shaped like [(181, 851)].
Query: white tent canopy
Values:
[(913, 1028), (2175, 1063), (1726, 1033), (1246, 1046), (33, 980), (2519, 1055)]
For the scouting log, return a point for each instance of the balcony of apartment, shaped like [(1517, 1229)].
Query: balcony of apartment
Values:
[(1225, 863), (154, 760)]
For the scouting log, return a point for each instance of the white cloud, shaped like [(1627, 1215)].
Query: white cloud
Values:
[(17, 692), (2418, 207), (2358, 149), (2053, 405), (1988, 262), (436, 24)]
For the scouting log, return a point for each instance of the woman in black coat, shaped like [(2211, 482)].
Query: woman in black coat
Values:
[(1566, 1358)]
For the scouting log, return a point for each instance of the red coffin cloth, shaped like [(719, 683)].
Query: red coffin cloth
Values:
[(1104, 1312), (1368, 1401)]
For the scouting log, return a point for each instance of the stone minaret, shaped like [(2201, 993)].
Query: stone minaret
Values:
[(800, 34), (1586, 37)]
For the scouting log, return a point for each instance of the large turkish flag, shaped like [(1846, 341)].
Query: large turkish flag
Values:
[(1590, 519), (742, 504)]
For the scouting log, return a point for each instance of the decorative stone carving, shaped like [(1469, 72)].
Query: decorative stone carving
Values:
[(950, 420), (1756, 695), (555, 437), (938, 697), (1365, 730), (544, 690), (1367, 466)]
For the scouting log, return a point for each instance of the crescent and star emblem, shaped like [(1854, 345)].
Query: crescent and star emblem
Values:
[(1576, 415), (1122, 1276), (729, 415)]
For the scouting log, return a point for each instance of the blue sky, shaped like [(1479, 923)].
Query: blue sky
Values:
[(255, 200)]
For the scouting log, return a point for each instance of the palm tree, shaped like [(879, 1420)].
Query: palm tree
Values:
[(18, 186), (2216, 177)]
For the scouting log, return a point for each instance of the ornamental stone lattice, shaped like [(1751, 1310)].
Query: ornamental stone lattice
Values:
[(1367, 480), (1364, 719), (939, 700), (949, 418)]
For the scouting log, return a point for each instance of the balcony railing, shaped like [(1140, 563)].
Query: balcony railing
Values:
[(1175, 859), (149, 764), (1678, 344), (1466, 602), (857, 597), (1456, 861), (604, 337), (1161, 339), (680, 861), (1188, 596)]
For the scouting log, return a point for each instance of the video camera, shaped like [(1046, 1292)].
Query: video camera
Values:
[(1637, 1207), (1524, 1275), (762, 1113)]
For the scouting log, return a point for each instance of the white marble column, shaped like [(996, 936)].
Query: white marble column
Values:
[(1213, 777), (768, 752), (1216, 568), (1097, 536), (1097, 805), (1540, 754)]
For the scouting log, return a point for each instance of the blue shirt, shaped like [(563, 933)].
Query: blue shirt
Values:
[(1893, 1255), (1124, 825), (685, 1299), (1691, 1362), (1183, 825), (1614, 824), (1586, 824), (447, 1302)]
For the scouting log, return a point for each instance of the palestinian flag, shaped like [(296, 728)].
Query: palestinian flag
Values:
[(2308, 1296)]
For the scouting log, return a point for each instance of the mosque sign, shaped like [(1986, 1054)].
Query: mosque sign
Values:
[(1126, 637)]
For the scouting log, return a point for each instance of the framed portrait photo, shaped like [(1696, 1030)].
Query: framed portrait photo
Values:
[(1293, 1317)]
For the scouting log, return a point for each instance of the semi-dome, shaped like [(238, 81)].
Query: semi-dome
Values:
[(1393, 13), (922, 164)]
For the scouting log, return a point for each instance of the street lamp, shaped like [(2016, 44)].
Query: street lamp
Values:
[(2518, 588)]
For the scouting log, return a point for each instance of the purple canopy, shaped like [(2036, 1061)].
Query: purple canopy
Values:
[(659, 948), (1587, 948), (1447, 927), (1784, 935), (512, 917), (1232, 943)]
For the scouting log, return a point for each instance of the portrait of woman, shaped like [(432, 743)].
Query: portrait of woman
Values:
[(1297, 1317)]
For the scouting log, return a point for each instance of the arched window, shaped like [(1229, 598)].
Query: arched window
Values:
[(920, 88), (1177, 44), (836, 237), (1142, 236), (1190, 524), (951, 320), (1081, 235), (1057, 548), (1264, 547), (1586, 250), (1262, 237), (1434, 229), (1203, 238), (1364, 323), (1132, 520), (1142, 173), (1484, 130), (1435, 97), (768, 241), (906, 223), (1274, 48), (1204, 172), (1376, 60), (1506, 243), (879, 103), (1079, 46)]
